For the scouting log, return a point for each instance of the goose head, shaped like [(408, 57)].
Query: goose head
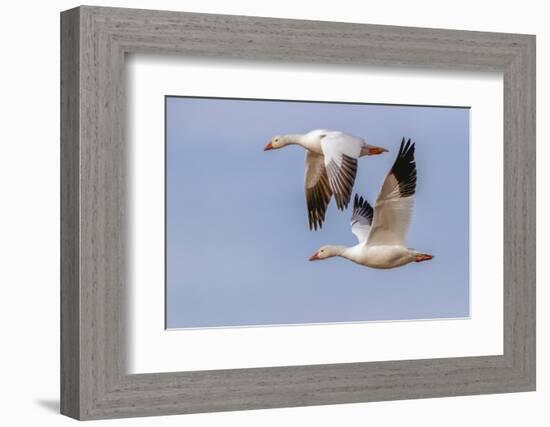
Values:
[(276, 142), (327, 251), (307, 140)]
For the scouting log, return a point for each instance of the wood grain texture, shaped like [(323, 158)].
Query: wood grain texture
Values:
[(70, 221), (94, 238)]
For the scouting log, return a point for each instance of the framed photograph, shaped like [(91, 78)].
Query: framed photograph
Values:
[(262, 213)]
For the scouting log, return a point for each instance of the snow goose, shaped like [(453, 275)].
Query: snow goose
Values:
[(381, 231), (331, 167)]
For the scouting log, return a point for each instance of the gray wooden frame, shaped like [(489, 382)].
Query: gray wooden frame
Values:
[(94, 382)]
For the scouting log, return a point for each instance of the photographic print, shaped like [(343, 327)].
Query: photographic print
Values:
[(298, 212)]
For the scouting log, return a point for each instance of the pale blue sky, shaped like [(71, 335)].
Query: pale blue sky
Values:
[(237, 236)]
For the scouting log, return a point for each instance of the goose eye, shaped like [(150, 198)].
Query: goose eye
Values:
[(322, 136)]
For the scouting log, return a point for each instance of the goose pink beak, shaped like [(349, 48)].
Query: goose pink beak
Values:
[(372, 151), (314, 257), (269, 146)]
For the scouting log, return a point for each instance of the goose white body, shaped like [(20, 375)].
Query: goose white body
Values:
[(380, 256)]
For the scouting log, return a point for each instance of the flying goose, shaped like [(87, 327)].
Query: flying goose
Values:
[(331, 167), (381, 231)]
